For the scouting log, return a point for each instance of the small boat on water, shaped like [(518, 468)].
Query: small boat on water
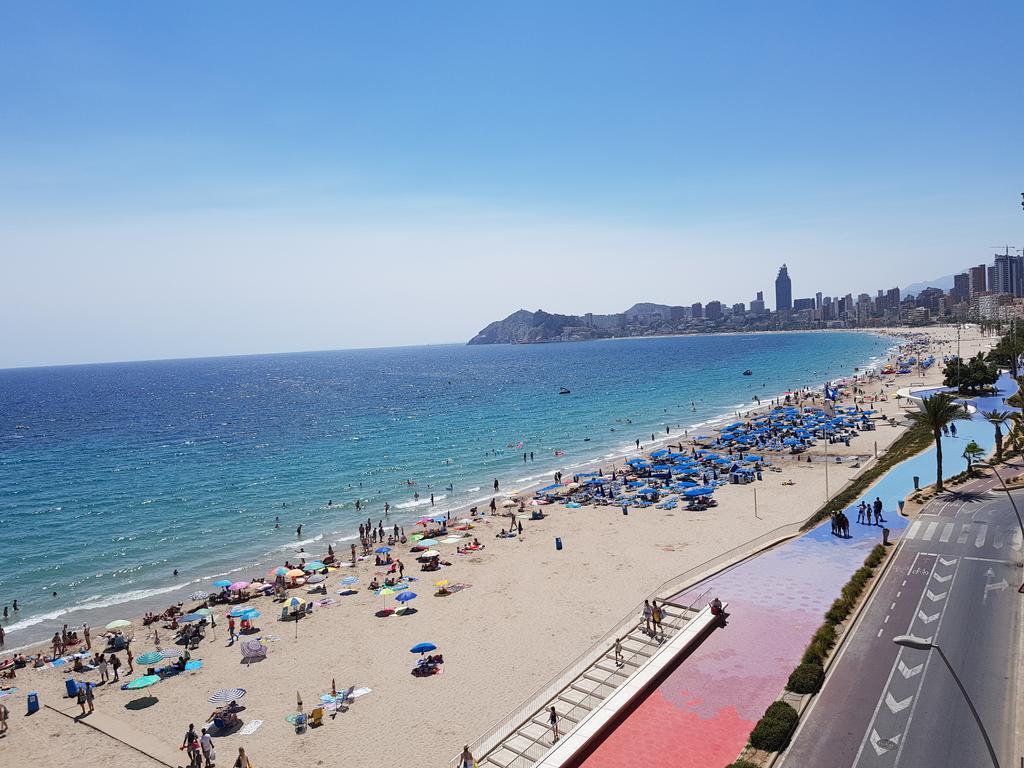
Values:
[(748, 372), (563, 391)]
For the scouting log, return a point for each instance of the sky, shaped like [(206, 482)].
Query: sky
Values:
[(193, 178)]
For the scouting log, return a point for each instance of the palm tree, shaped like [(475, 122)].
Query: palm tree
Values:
[(972, 453), (997, 419), (936, 412)]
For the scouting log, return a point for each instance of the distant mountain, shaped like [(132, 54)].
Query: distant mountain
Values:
[(945, 283), (644, 319)]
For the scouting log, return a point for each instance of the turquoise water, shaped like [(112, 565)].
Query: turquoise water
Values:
[(112, 476)]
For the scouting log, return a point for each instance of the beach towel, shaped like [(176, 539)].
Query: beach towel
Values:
[(8, 692), (360, 692), (250, 728), (458, 587), (193, 665)]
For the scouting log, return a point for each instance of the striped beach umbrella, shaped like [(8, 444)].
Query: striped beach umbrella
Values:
[(200, 595), (227, 696), (150, 657)]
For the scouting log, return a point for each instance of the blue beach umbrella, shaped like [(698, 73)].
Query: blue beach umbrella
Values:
[(188, 618), (693, 492), (405, 597), (222, 583), (382, 550), (423, 648), (349, 580), (152, 657), (316, 565), (427, 542)]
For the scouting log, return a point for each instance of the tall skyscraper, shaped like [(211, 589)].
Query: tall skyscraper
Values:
[(783, 290), (961, 287), (977, 277), (1009, 274)]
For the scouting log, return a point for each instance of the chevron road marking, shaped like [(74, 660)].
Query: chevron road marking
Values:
[(933, 597), (897, 706), (926, 618), (941, 579), (884, 745), (909, 672)]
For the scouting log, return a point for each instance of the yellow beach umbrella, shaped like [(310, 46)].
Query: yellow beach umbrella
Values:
[(441, 583), (385, 593)]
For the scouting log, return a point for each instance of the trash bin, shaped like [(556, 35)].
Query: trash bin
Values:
[(33, 702), (885, 537), (625, 510), (558, 542), (72, 687), (917, 483)]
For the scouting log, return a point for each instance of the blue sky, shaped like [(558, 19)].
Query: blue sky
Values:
[(207, 178)]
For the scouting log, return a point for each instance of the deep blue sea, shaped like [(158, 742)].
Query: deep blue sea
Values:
[(113, 475)]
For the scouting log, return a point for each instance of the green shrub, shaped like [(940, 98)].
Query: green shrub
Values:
[(807, 678), (840, 610), (742, 764), (773, 730), (876, 556)]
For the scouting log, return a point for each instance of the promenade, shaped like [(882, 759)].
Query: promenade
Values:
[(702, 714)]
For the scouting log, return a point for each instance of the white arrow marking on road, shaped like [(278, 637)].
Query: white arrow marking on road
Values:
[(909, 672), (941, 579), (926, 618), (1000, 585), (933, 597), (883, 745), (897, 706), (947, 562)]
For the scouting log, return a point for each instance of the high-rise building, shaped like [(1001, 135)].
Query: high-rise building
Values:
[(713, 310), (802, 304), (757, 305), (739, 308), (1009, 274), (783, 290), (977, 279), (991, 279), (697, 311), (817, 300), (961, 287)]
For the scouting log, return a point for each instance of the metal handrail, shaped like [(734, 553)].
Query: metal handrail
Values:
[(677, 585)]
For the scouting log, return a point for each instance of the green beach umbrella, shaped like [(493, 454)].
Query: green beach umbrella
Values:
[(119, 624), (152, 657), (143, 682)]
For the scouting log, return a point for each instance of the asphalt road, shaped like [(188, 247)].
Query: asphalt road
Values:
[(954, 581)]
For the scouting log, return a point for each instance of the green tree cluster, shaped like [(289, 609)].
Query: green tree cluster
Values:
[(970, 376)]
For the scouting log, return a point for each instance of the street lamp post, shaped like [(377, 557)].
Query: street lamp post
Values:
[(909, 641)]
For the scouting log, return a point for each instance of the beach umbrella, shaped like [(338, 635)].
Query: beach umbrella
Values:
[(252, 649), (143, 682), (466, 520), (442, 583), (205, 612), (423, 648), (427, 542), (385, 593), (188, 618), (275, 572), (382, 550), (151, 657), (295, 573), (508, 503), (349, 580), (238, 586), (692, 492), (415, 537), (316, 565), (243, 613), (296, 602), (316, 578), (405, 597), (170, 653), (119, 624), (227, 696), (221, 583), (200, 595), (430, 553)]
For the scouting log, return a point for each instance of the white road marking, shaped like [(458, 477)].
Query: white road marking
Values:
[(908, 672), (926, 618), (930, 531), (897, 706), (979, 540), (947, 531), (883, 745), (944, 561), (914, 526), (965, 532), (941, 579), (934, 597)]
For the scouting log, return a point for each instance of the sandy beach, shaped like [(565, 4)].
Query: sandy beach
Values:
[(529, 610)]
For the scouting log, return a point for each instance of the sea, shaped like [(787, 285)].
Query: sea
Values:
[(113, 476)]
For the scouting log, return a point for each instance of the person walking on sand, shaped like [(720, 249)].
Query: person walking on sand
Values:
[(115, 664), (81, 697), (466, 758), (101, 662), (130, 658), (619, 660), (4, 714), (190, 742), (89, 697), (206, 746), (553, 720), (87, 636), (243, 761)]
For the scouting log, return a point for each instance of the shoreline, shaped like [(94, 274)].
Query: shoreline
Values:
[(522, 588), (102, 610)]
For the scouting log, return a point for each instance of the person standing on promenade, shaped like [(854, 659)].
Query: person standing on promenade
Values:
[(553, 720), (657, 613), (648, 612), (878, 511), (466, 758), (619, 660)]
